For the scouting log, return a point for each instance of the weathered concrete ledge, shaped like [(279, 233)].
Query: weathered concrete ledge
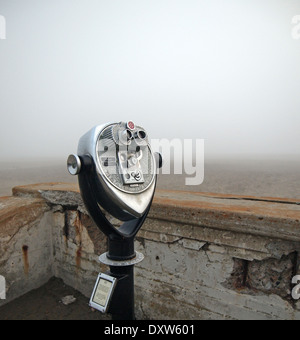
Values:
[(206, 255), (276, 217)]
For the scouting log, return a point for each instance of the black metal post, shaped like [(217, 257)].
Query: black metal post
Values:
[(122, 303), (120, 249)]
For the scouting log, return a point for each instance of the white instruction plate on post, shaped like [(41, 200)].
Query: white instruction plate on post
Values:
[(102, 292)]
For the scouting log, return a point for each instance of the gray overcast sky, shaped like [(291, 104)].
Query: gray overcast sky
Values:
[(225, 71)]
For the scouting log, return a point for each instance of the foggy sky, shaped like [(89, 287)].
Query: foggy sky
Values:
[(224, 71)]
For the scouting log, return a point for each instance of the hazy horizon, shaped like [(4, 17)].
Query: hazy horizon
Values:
[(251, 177), (223, 71)]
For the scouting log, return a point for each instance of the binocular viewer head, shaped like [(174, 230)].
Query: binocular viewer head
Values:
[(116, 165)]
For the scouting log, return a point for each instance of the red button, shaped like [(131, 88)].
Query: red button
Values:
[(130, 125)]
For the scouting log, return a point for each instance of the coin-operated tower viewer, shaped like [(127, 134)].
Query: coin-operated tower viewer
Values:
[(116, 171)]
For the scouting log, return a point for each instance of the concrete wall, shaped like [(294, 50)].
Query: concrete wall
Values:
[(25, 251), (207, 256)]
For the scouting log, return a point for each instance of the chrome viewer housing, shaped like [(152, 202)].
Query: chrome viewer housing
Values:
[(124, 175)]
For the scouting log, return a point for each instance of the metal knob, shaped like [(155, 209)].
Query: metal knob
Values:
[(73, 164)]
